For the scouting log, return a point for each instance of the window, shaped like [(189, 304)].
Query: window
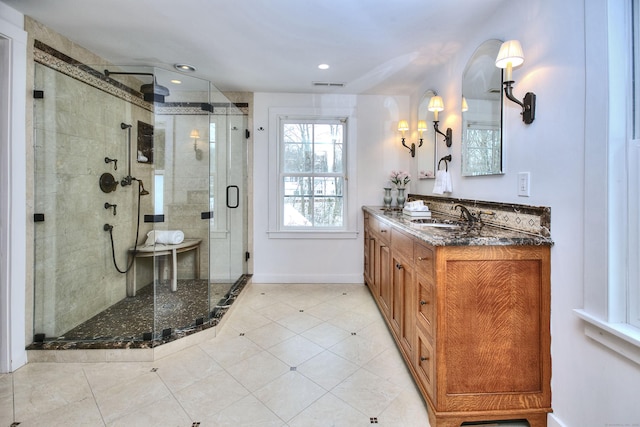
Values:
[(312, 173), (612, 208), (633, 184)]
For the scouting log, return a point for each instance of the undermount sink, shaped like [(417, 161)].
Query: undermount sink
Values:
[(434, 222)]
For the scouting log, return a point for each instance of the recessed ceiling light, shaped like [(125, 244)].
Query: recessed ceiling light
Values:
[(323, 66), (185, 67), (176, 81)]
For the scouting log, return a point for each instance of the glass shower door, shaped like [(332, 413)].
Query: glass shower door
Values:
[(228, 150)]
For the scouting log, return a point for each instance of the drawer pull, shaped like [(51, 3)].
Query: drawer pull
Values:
[(424, 359), (423, 302), (383, 231), (399, 266), (423, 258)]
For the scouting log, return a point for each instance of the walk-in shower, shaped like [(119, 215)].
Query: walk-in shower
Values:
[(104, 277)]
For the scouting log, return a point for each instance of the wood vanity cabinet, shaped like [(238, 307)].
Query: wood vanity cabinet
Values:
[(380, 261), (472, 323)]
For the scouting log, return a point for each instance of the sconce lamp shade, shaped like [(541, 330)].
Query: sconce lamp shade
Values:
[(465, 106), (403, 125), (509, 56), (194, 134), (422, 126), (510, 51), (436, 103)]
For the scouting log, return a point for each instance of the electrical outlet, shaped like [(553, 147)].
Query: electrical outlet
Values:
[(524, 189)]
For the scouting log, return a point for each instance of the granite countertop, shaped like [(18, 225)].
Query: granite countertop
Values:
[(477, 234)]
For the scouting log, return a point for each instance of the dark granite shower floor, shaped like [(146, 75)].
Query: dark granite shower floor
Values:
[(129, 323)]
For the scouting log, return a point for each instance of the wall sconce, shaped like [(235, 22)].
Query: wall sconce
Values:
[(195, 135), (509, 56), (403, 126), (436, 105)]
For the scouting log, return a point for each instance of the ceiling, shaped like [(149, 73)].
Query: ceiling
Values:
[(372, 46)]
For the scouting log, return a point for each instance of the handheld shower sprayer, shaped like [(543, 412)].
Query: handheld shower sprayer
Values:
[(141, 188)]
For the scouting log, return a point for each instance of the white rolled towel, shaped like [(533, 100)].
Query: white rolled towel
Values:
[(416, 206), (167, 237)]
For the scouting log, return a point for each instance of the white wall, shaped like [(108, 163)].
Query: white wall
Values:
[(12, 189), (377, 152), (591, 385)]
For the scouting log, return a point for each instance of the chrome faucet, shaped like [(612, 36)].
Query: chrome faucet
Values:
[(464, 213)]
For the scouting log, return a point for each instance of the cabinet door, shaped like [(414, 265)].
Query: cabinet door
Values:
[(383, 275), (496, 314), (367, 257), (398, 285), (408, 326)]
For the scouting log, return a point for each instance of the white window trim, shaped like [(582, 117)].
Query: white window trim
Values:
[(349, 231), (605, 296)]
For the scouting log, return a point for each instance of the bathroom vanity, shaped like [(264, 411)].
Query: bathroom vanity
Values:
[(469, 308)]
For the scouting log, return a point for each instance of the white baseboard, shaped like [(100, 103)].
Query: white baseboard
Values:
[(302, 278), (553, 421)]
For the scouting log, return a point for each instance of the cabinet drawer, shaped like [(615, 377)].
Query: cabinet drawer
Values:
[(424, 257), (426, 306), (383, 230), (402, 243), (425, 364)]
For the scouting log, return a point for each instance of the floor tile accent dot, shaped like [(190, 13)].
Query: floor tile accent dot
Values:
[(241, 334), (154, 369), (373, 420), (293, 368), (353, 333)]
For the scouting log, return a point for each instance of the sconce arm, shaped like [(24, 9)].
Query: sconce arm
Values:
[(447, 135), (411, 148), (508, 91), (528, 104)]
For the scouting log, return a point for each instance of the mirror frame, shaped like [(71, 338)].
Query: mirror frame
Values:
[(428, 153), (482, 91)]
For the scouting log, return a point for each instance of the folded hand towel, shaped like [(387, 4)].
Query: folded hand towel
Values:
[(448, 188), (167, 237), (439, 186)]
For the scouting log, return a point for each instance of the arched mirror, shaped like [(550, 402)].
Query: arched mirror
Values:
[(427, 153), (482, 113)]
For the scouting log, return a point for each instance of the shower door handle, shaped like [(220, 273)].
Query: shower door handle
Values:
[(237, 191)]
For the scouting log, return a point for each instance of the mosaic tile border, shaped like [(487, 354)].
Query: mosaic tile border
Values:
[(534, 220), (58, 61)]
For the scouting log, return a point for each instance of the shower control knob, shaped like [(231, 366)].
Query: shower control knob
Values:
[(108, 205)]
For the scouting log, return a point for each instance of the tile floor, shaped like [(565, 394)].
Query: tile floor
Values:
[(288, 355)]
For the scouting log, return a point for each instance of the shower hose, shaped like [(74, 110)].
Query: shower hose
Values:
[(135, 247)]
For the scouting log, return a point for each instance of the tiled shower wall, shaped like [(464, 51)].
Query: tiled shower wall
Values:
[(76, 127)]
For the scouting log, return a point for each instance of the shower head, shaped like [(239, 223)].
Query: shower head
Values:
[(151, 92), (154, 92)]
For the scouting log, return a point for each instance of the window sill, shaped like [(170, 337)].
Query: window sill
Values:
[(303, 234), (619, 337)]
